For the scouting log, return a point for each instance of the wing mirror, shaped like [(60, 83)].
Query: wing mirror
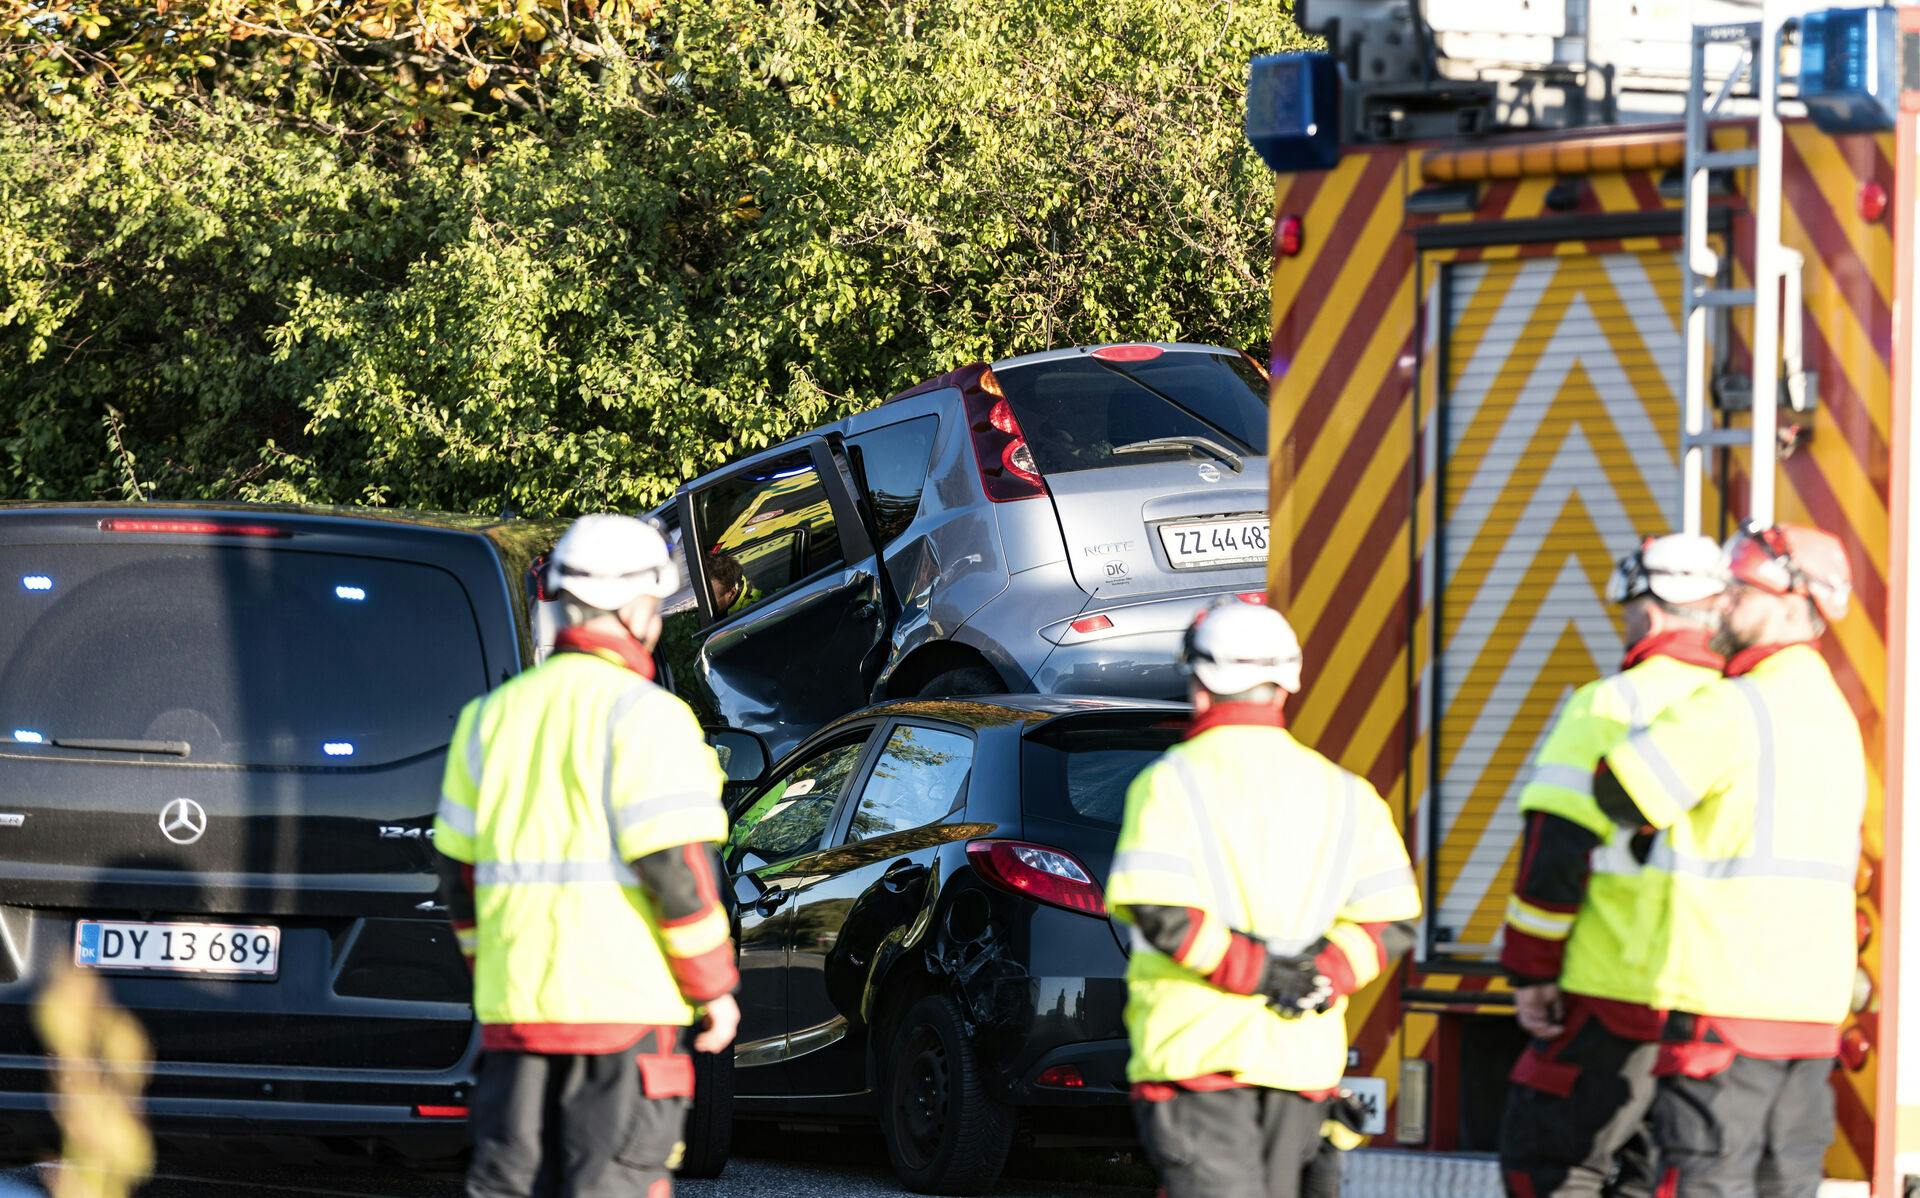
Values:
[(743, 755)]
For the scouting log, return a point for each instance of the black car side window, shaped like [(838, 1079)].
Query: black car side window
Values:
[(791, 816), (917, 780), (891, 463), (765, 530)]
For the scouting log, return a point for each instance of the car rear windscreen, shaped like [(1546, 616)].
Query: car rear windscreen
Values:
[(241, 654), (1076, 411), (1080, 775)]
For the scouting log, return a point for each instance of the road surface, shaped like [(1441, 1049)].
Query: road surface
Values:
[(768, 1162)]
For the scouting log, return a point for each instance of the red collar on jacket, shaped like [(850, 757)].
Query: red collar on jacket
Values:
[(1744, 661), (1221, 715), (1691, 645), (618, 649)]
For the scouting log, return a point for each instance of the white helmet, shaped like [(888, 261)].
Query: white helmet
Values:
[(1676, 568), (607, 561), (1234, 646)]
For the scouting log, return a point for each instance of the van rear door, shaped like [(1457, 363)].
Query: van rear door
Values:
[(287, 685)]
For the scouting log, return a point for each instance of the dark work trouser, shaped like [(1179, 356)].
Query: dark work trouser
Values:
[(1754, 1128), (598, 1125), (1240, 1143), (1322, 1177), (1576, 1119)]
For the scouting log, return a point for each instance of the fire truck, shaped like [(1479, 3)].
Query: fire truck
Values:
[(1550, 275)]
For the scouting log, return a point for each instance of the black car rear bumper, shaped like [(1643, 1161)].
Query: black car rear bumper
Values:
[(423, 1114), (1101, 1066)]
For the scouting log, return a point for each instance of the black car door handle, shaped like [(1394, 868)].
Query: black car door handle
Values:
[(900, 875), (770, 902), (864, 609)]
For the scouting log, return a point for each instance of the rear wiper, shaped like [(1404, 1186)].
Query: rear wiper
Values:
[(1194, 446), (174, 748)]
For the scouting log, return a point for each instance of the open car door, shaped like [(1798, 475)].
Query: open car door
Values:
[(781, 557)]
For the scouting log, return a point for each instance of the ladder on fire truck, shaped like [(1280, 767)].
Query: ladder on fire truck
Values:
[(1707, 270)]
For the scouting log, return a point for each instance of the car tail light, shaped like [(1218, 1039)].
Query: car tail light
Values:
[(1045, 875), (1128, 353), (440, 1112), (191, 528), (1252, 597), (1007, 468), (1092, 624), (1064, 1076)]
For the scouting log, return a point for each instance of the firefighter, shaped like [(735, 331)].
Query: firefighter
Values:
[(579, 811), (1756, 785), (1574, 947), (1263, 885)]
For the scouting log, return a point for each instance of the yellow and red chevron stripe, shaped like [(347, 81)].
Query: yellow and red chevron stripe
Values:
[(1840, 481), (1358, 381)]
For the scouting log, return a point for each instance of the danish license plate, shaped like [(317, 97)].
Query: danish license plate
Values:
[(222, 948), (1214, 542)]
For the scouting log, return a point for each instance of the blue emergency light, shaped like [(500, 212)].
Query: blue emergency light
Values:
[(1847, 78), (1293, 111)]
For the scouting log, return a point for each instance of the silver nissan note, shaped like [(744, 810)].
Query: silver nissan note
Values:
[(1048, 523)]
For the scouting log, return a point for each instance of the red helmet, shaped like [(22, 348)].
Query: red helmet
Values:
[(1791, 559)]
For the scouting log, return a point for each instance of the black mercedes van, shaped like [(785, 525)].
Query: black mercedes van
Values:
[(221, 736)]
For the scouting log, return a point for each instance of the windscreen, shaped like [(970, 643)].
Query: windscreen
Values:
[(1076, 411), (1080, 775), (243, 654)]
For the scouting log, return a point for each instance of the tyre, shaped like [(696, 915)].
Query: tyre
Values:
[(945, 1134), (709, 1132), (967, 680)]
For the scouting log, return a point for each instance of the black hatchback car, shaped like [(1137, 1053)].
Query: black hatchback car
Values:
[(923, 937), (221, 737)]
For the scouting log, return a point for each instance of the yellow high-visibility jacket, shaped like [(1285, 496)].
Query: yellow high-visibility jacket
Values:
[(1269, 838), (555, 782), (1758, 784)]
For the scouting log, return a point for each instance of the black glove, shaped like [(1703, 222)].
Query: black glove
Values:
[(1294, 985)]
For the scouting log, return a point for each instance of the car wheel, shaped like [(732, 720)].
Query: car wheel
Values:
[(946, 1135), (709, 1131), (967, 680)]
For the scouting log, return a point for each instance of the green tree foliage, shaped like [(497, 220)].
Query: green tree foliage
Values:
[(742, 220)]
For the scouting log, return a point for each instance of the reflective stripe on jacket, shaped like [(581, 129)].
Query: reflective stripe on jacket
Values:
[(554, 783), (1265, 835), (1607, 940), (1758, 784)]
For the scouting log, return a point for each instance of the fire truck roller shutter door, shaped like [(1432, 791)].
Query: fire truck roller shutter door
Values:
[(1559, 412)]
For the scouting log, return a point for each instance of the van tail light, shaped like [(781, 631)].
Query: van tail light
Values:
[(440, 1112), (1045, 875), (1007, 467), (190, 528)]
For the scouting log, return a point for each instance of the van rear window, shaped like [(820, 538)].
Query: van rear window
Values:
[(1080, 775), (245, 654), (1076, 411)]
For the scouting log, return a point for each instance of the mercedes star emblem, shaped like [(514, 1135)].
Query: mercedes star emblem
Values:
[(183, 821)]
